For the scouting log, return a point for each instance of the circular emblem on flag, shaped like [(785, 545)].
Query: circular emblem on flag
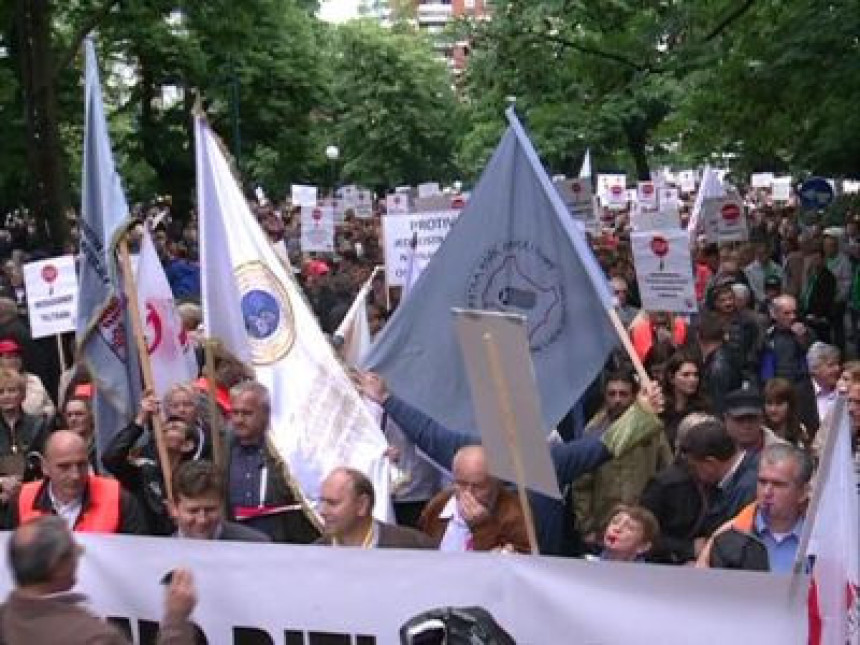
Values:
[(517, 277), (267, 313)]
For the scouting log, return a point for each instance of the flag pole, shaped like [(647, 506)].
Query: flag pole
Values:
[(624, 337), (61, 351), (215, 425), (130, 288), (511, 435)]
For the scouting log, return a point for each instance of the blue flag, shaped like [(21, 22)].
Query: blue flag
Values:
[(103, 338), (514, 248)]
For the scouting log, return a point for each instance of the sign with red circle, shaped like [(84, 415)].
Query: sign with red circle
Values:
[(659, 246), (49, 273), (731, 212)]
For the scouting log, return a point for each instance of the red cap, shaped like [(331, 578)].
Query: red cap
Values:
[(9, 346), (316, 268)]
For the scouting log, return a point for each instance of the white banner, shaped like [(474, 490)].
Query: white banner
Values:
[(397, 231), (317, 229), (303, 195), (277, 594), (664, 271), (52, 295), (762, 179)]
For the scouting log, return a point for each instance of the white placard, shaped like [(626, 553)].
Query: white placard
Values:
[(606, 182), (317, 229), (397, 204), (577, 196), (732, 220), (304, 195), (428, 189), (432, 204), (495, 349), (664, 271), (245, 596), (364, 204), (397, 231), (646, 195), (338, 207), (669, 196), (52, 295), (667, 217), (782, 189), (616, 198), (762, 179), (687, 181)]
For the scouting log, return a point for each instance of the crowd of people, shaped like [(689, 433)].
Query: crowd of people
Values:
[(709, 462)]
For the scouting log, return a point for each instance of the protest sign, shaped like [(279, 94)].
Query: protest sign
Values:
[(761, 179), (243, 593), (432, 203), (664, 271), (668, 195), (398, 230), (732, 220), (781, 189), (317, 229), (687, 181), (495, 348), (363, 204), (428, 189), (52, 295), (304, 195), (577, 196), (667, 217), (606, 182), (616, 198), (646, 195), (397, 204)]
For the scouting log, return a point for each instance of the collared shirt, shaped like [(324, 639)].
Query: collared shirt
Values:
[(458, 535), (371, 540), (781, 547), (731, 472), (247, 472), (69, 511), (824, 400), (215, 536)]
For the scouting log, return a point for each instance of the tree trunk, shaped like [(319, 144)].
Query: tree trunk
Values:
[(636, 146), (48, 189)]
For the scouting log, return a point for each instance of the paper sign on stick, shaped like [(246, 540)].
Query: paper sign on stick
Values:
[(646, 195), (317, 229), (397, 204), (364, 204), (762, 179), (501, 376), (398, 230), (666, 218), (52, 295), (781, 189), (664, 271), (428, 189), (687, 181), (732, 221), (304, 195)]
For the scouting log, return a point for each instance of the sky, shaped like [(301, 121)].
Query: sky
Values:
[(338, 10)]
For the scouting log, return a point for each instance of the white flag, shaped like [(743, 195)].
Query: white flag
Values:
[(711, 188), (585, 170), (170, 354), (354, 329), (318, 421), (834, 602), (414, 267)]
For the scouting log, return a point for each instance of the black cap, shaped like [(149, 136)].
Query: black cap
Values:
[(772, 282), (743, 402)]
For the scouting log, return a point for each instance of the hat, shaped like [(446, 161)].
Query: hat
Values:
[(743, 402), (9, 346), (316, 268)]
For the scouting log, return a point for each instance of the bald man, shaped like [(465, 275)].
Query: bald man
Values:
[(87, 502), (477, 513)]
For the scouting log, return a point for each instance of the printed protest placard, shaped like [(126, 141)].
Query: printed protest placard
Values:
[(52, 295), (664, 270)]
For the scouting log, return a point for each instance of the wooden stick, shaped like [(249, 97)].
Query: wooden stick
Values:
[(512, 435), (62, 352), (148, 382), (644, 379), (215, 426)]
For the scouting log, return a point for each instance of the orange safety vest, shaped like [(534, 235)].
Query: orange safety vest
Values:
[(642, 335), (100, 516), (745, 520)]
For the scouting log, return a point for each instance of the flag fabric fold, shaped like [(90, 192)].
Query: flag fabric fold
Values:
[(834, 541), (103, 326), (318, 421), (514, 248), (171, 355), (585, 169), (354, 329)]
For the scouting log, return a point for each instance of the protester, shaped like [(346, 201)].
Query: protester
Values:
[(197, 507), (626, 312), (346, 507), (259, 493), (22, 435), (826, 368), (744, 419), (720, 374), (630, 534), (477, 513), (88, 503), (37, 401), (780, 411), (77, 416), (819, 293), (776, 517), (683, 390), (44, 557)]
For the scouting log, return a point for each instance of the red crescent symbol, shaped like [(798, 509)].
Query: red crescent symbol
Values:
[(153, 320)]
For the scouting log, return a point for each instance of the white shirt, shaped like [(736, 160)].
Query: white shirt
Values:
[(824, 400), (68, 512), (457, 535)]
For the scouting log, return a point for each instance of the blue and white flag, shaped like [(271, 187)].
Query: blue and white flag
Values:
[(318, 420), (103, 338), (515, 248)]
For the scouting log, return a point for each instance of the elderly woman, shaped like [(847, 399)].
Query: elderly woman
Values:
[(22, 435), (37, 401)]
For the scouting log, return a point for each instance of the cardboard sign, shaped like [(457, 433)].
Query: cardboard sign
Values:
[(363, 204), (397, 232), (317, 229), (397, 204), (52, 295), (498, 362), (761, 179), (664, 271), (646, 195), (304, 195)]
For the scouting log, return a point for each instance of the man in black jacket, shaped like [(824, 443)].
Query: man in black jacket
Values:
[(818, 294), (720, 374)]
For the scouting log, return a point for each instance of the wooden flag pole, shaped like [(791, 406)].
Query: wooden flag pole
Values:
[(215, 426), (130, 288), (511, 434), (624, 337)]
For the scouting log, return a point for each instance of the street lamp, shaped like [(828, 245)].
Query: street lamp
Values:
[(332, 153)]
